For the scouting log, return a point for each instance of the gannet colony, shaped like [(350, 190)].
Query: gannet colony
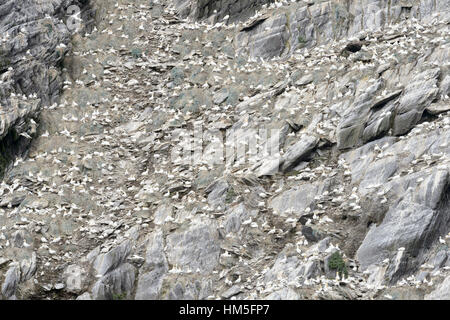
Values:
[(233, 149)]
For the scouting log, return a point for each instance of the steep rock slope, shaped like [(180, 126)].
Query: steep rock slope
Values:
[(354, 206), (35, 36), (230, 10)]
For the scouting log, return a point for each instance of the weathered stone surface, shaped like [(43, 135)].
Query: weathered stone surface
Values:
[(283, 294), (28, 268), (217, 192), (99, 209), (414, 223), (75, 278), (437, 108), (442, 292), (362, 121), (234, 290), (220, 96), (107, 262), (188, 289), (378, 173), (154, 270), (265, 38), (286, 267), (196, 248), (316, 23), (117, 284), (417, 96), (33, 43), (299, 151), (236, 216), (439, 259), (294, 201), (85, 296), (217, 10), (12, 279), (163, 212)]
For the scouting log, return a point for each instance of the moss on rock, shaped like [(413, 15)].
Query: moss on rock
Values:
[(337, 263)]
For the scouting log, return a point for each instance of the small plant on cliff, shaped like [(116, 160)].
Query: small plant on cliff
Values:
[(4, 62), (231, 194), (337, 263), (119, 296)]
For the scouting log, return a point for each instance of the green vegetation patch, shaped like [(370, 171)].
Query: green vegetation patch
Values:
[(136, 53), (337, 263), (230, 195), (119, 296)]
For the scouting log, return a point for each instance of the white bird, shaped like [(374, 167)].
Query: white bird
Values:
[(26, 135)]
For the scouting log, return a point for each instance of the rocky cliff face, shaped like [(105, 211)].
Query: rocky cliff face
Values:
[(307, 24), (354, 206), (215, 11), (35, 37)]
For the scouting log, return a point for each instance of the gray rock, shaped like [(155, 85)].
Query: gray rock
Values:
[(311, 269), (12, 279), (117, 284), (319, 247), (217, 192), (234, 290), (195, 248), (3, 261), (417, 96), (295, 200), (217, 10), (85, 296), (439, 259), (268, 166), (299, 151), (283, 294), (437, 108), (187, 289), (378, 173), (162, 213), (445, 85), (74, 277), (442, 292), (422, 276), (414, 223), (360, 159), (266, 37), (28, 267), (12, 200), (236, 216), (306, 79), (307, 24), (154, 270), (355, 119), (220, 96), (311, 234), (285, 267), (35, 40)]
